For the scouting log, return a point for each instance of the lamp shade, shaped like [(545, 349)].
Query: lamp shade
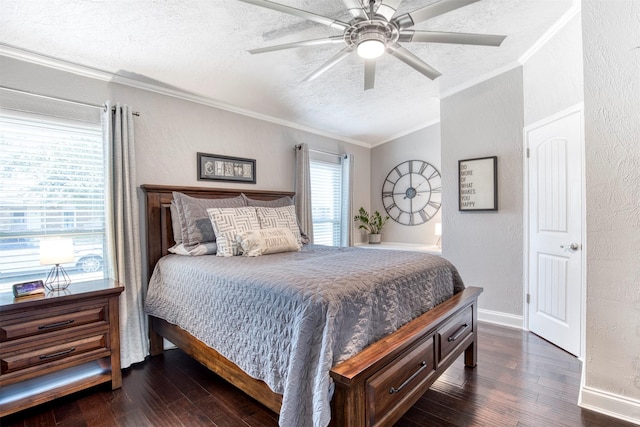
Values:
[(56, 251), (438, 229)]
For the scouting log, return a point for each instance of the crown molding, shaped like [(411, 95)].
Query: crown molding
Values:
[(539, 44), (551, 32), (479, 79), (95, 73), (407, 132)]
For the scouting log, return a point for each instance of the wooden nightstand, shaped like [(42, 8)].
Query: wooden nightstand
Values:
[(57, 344), (415, 247)]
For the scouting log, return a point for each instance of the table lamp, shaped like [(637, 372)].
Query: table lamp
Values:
[(438, 232), (55, 252)]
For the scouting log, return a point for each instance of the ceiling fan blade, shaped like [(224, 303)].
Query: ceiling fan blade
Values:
[(443, 6), (413, 61), (369, 73), (356, 9), (330, 22), (456, 38), (314, 42), (334, 60), (388, 8)]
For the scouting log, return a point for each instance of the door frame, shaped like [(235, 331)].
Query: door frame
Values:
[(578, 108)]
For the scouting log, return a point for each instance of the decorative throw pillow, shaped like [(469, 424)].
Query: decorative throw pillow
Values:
[(229, 222), (194, 221), (282, 217), (267, 241), (283, 201)]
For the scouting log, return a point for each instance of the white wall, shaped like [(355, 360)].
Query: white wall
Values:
[(486, 120), (423, 144), (170, 131), (611, 38), (552, 76)]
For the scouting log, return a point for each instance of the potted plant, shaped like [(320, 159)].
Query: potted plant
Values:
[(373, 224)]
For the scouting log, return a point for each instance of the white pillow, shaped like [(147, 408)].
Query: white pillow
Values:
[(281, 217), (267, 241), (229, 222), (208, 248)]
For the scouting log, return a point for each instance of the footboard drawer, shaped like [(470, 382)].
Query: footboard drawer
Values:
[(400, 380), (454, 332)]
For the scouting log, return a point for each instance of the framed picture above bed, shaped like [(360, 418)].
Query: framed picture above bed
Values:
[(478, 184), (213, 167)]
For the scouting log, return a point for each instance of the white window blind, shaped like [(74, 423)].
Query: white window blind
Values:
[(52, 184), (326, 202)]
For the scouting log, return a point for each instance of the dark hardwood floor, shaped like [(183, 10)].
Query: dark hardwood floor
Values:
[(521, 380)]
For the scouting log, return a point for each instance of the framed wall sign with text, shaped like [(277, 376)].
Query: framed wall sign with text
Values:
[(478, 184), (225, 168)]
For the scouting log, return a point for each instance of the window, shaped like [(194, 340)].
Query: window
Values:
[(327, 201), (52, 184)]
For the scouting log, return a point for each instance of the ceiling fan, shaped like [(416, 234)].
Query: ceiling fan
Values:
[(373, 30)]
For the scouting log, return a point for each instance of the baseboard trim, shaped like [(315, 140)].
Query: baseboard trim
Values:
[(500, 318), (610, 404)]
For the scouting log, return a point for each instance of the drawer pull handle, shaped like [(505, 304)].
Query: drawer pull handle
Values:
[(56, 325), (58, 354), (393, 390), (459, 332)]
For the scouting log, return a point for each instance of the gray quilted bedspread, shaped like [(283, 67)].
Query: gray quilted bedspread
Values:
[(288, 318)]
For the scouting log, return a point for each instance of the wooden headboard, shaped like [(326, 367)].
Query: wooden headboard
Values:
[(158, 214)]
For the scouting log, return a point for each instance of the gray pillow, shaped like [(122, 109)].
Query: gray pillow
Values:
[(278, 203), (195, 223), (175, 223)]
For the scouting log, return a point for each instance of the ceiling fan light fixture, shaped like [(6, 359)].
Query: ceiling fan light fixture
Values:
[(371, 43), (370, 49)]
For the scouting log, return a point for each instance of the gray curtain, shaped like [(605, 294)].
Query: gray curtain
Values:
[(303, 190), (123, 232), (346, 239)]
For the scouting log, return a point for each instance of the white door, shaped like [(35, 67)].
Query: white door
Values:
[(555, 230)]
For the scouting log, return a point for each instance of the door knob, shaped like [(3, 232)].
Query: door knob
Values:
[(571, 246)]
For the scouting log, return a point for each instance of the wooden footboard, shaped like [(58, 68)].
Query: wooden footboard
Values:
[(379, 384), (373, 388)]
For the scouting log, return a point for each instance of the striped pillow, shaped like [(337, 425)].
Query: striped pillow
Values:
[(228, 223)]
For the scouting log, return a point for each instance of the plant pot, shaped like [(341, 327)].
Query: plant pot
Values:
[(374, 239)]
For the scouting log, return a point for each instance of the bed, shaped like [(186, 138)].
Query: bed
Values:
[(372, 386)]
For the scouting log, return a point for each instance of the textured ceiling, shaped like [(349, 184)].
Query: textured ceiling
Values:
[(200, 47)]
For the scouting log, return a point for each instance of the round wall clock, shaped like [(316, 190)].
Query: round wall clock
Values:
[(412, 192)]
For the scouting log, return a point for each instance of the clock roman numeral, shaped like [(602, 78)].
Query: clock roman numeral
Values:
[(424, 166)]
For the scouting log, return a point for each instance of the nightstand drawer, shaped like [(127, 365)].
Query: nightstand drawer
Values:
[(47, 321), (58, 343), (15, 361)]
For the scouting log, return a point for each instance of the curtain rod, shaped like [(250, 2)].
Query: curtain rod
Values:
[(71, 101), (297, 147)]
